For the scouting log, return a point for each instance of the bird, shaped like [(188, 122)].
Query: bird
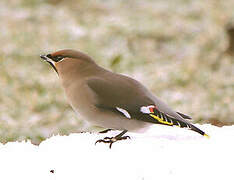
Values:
[(111, 100)]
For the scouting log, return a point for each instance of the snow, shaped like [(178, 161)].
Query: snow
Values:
[(161, 153)]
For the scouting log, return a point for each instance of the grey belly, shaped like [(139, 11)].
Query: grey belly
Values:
[(111, 120)]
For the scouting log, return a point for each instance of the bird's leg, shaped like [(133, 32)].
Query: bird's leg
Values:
[(111, 140), (105, 131)]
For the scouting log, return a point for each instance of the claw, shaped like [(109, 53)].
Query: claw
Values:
[(108, 138), (126, 137), (101, 140), (111, 140)]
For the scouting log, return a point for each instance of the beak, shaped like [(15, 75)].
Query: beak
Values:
[(50, 61), (43, 57)]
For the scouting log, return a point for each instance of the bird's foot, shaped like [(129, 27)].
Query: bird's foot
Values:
[(111, 140)]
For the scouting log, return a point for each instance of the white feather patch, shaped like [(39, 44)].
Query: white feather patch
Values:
[(124, 112), (146, 109)]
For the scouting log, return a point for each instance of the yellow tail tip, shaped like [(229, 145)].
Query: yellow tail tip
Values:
[(206, 135)]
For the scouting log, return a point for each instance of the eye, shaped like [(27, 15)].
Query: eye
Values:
[(58, 58)]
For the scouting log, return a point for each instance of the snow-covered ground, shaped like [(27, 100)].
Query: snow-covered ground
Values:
[(161, 153)]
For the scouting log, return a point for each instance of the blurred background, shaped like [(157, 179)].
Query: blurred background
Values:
[(182, 50)]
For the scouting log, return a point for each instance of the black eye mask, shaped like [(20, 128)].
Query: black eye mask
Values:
[(55, 58)]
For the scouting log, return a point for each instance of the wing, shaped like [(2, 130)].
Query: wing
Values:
[(138, 103), (154, 115), (110, 94), (184, 115)]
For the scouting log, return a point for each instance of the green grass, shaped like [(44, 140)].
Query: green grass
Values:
[(173, 47)]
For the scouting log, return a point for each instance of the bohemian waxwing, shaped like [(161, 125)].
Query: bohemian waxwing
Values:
[(111, 100)]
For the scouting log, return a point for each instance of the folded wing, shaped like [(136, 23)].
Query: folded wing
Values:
[(135, 103)]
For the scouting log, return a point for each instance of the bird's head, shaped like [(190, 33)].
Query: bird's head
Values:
[(67, 60)]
